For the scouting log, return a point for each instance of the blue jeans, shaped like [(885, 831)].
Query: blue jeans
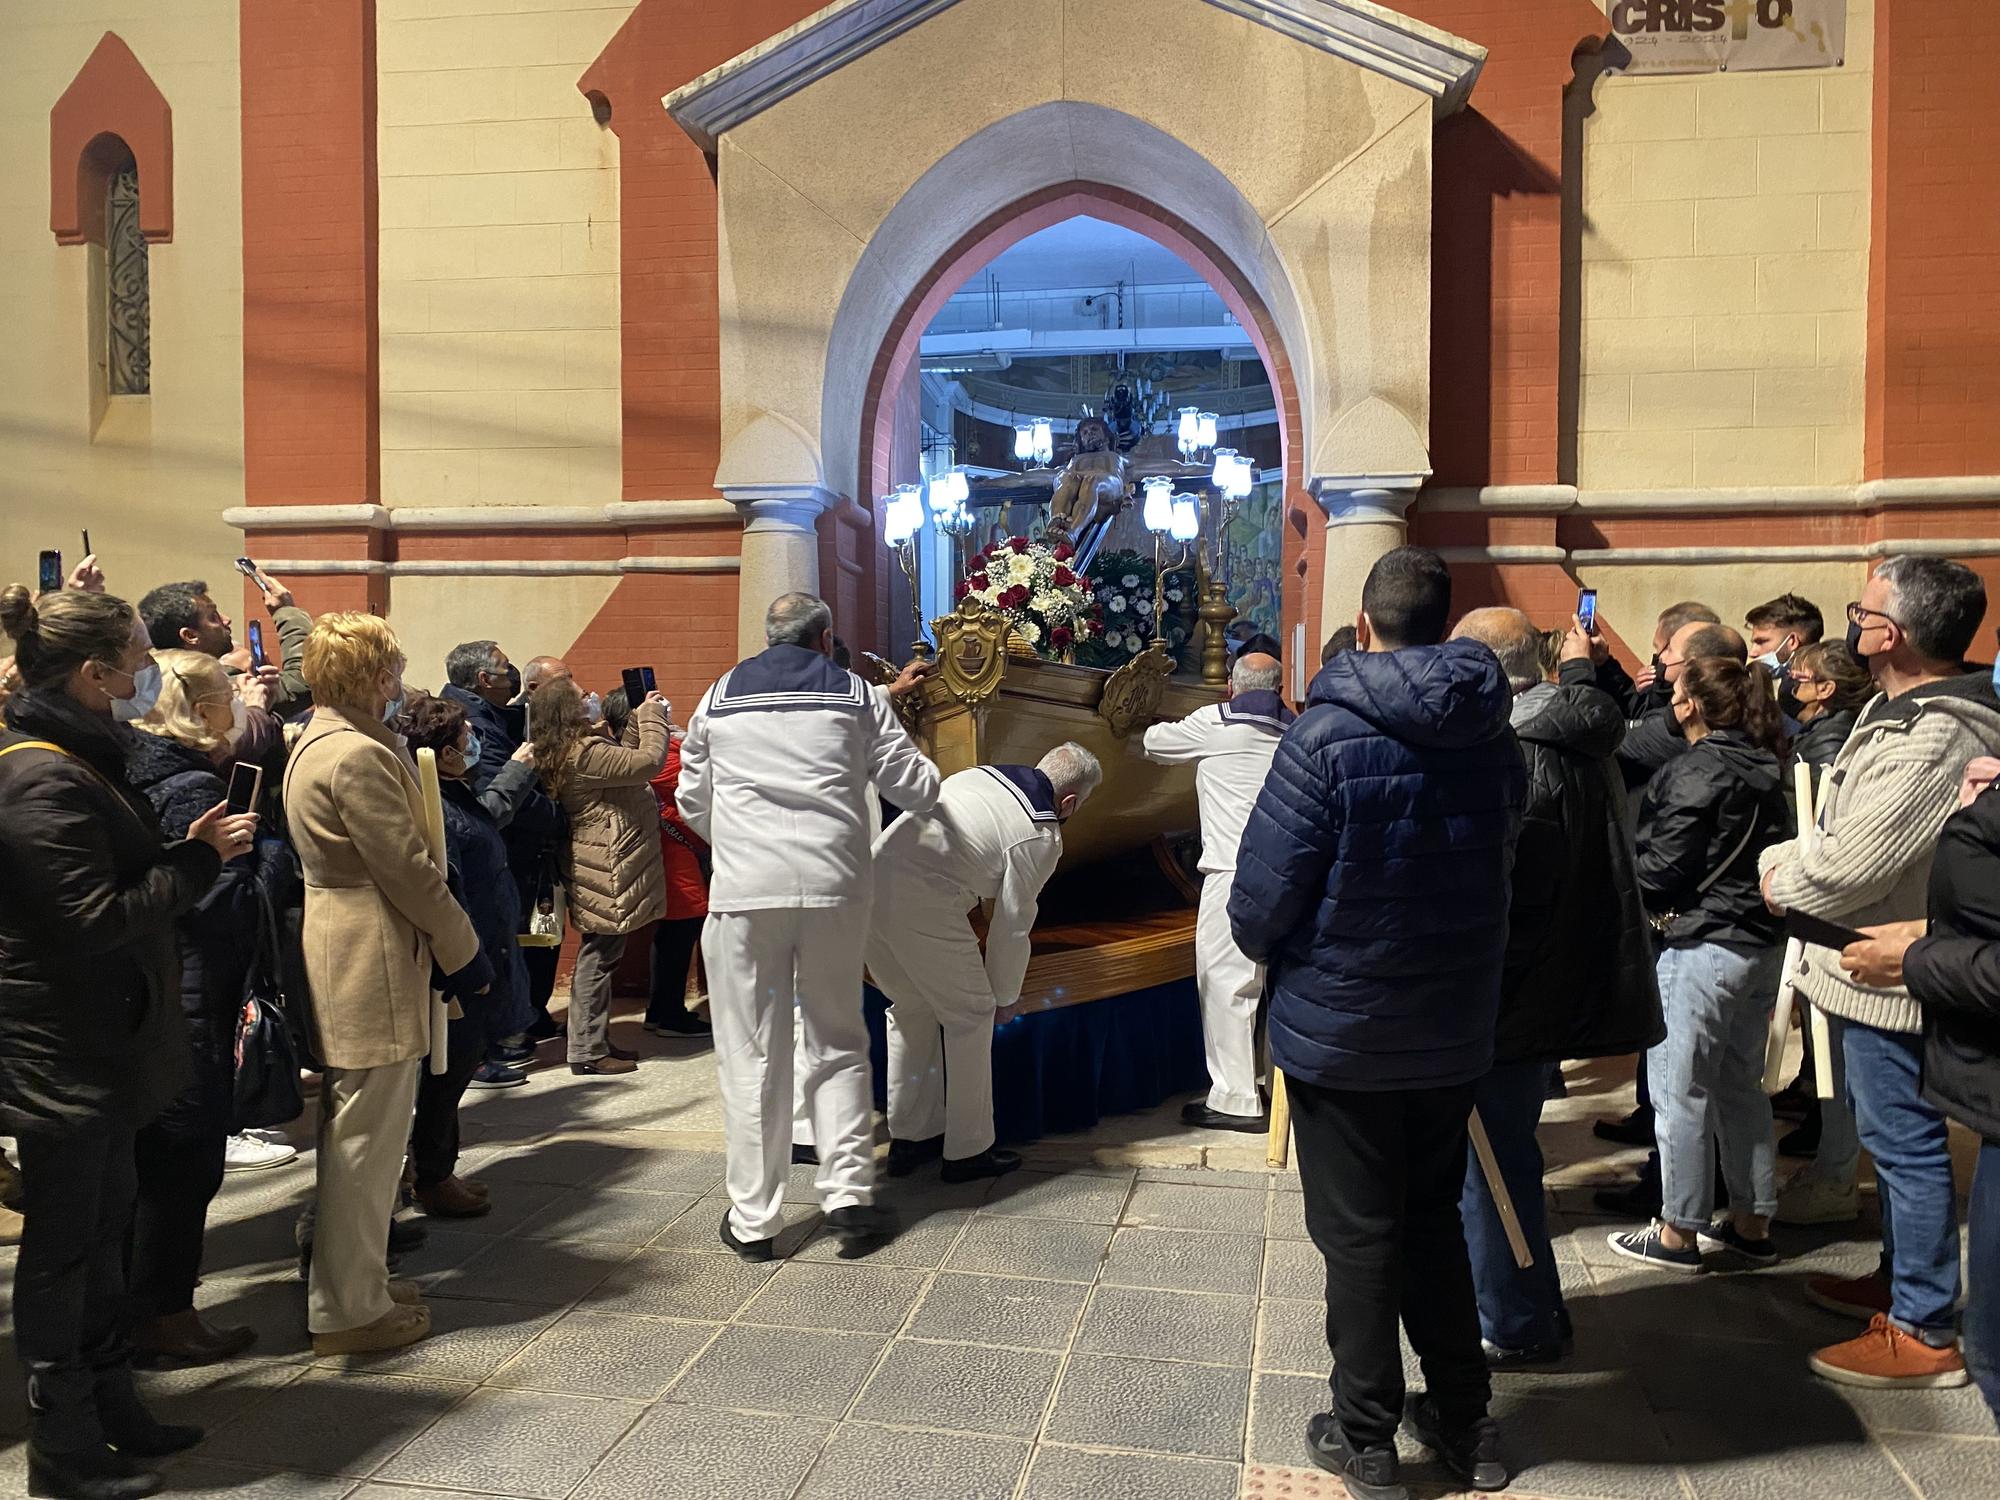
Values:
[(1908, 1139), (1707, 1079), (1517, 1309), (1982, 1308)]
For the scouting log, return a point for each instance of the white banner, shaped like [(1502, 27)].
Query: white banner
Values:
[(1733, 36)]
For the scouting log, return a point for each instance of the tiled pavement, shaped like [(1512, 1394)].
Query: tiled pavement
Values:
[(1138, 1316)]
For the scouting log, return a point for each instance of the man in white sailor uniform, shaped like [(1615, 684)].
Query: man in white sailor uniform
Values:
[(780, 761), (995, 835), (1231, 744)]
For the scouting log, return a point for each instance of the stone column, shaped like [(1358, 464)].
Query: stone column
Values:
[(1362, 524), (780, 552)]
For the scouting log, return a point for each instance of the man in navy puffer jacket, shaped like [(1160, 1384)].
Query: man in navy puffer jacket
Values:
[(1374, 882)]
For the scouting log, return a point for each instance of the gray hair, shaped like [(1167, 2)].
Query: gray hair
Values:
[(1071, 768), (1938, 602), (797, 620), (1512, 637), (463, 664), (1244, 678)]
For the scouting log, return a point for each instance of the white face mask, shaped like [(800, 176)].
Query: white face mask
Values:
[(239, 720), (145, 693), (1770, 663)]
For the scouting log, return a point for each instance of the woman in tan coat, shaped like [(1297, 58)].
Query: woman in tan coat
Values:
[(617, 882), (380, 927)]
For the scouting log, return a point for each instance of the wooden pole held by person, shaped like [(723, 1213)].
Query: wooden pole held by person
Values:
[(433, 794), (1781, 1013), (1503, 1201), (1278, 1150)]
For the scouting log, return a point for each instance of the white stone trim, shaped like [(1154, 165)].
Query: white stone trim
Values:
[(1503, 554), (618, 516), (1560, 499), (1374, 37), (306, 567), (1928, 546)]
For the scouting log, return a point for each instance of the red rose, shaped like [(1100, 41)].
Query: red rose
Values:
[(1018, 595), (1064, 578), (1061, 636), (964, 588), (1064, 552), (1019, 544), (976, 580)]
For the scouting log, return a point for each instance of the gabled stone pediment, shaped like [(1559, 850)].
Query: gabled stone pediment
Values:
[(1369, 35)]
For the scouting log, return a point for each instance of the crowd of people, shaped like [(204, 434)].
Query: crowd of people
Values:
[(1477, 850)]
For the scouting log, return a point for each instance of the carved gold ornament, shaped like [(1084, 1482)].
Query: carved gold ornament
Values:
[(1132, 694), (972, 651)]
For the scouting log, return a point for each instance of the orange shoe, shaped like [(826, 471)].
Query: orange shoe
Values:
[(1857, 1296), (1885, 1357)]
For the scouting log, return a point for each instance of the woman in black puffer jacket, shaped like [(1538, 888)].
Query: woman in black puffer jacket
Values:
[(90, 1032), (177, 761), (1707, 816), (1830, 688)]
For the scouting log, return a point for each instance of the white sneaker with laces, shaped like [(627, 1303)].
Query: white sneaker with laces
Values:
[(251, 1153), (1811, 1199)]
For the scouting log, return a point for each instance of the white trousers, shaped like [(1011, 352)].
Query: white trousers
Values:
[(758, 961), (924, 957), (364, 1127), (1231, 986)]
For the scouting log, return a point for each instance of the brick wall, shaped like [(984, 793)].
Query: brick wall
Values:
[(1725, 254), (1934, 282), (309, 252)]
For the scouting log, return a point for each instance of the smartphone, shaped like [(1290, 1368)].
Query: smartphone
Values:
[(257, 643), (1586, 611), (647, 673), (86, 542), (52, 570), (1819, 931), (246, 780), (635, 686), (249, 570)]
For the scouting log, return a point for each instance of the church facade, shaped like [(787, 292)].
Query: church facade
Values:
[(591, 325)]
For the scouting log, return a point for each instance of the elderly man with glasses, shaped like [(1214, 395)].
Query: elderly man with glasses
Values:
[(1890, 790)]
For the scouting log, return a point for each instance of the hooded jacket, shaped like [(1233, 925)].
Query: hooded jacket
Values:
[(1578, 980), (90, 1018), (1373, 874), (1892, 787), (217, 937), (1954, 972), (1713, 809)]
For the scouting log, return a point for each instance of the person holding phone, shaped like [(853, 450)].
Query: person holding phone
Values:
[(382, 930), (177, 761), (617, 881), (89, 1025)]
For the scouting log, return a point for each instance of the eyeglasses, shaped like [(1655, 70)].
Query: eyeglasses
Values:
[(1857, 614), (1806, 681)]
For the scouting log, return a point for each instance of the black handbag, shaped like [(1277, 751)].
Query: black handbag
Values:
[(267, 1091)]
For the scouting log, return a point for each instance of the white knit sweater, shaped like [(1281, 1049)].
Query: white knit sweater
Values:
[(1882, 805)]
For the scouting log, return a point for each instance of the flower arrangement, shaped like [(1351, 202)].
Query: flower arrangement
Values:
[(1033, 585), (1122, 584)]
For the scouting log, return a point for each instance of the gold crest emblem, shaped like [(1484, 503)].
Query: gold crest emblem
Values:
[(972, 651)]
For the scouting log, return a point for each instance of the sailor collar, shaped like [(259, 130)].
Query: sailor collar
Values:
[(788, 679), (1029, 787), (1265, 709)]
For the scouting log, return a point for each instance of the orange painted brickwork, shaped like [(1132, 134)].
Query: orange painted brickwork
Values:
[(1933, 311), (310, 381), (111, 94), (1496, 242)]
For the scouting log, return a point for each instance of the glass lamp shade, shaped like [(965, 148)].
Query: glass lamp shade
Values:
[(906, 515), (1245, 478), (1205, 432), (1024, 442), (958, 487), (1225, 469), (938, 493), (1189, 434), (1045, 442), (1159, 512), (1185, 524)]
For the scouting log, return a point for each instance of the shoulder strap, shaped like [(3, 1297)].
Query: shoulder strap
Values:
[(101, 779), (1729, 859), (36, 745)]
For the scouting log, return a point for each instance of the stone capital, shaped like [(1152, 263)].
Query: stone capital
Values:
[(780, 507), (1365, 500)]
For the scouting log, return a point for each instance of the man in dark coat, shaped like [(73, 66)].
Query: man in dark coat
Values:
[(481, 680), (1373, 883), (1578, 980), (1951, 964)]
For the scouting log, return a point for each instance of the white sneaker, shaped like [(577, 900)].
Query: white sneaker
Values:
[(1811, 1199), (249, 1153)]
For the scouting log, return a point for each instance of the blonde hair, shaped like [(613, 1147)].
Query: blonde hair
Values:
[(345, 654), (187, 678)]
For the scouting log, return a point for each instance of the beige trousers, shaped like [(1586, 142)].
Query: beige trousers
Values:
[(364, 1126)]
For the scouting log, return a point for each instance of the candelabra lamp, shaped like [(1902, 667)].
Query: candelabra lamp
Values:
[(902, 521)]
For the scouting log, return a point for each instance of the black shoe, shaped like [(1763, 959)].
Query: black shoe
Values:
[(992, 1162), (1726, 1239), (547, 1029), (1795, 1100), (1638, 1200), (1472, 1455), (493, 1075), (406, 1235), (510, 1057), (757, 1250), (804, 1156), (860, 1224), (1498, 1358), (684, 1024), (906, 1156), (1636, 1129), (94, 1474), (1801, 1142), (127, 1425), (1369, 1475), (623, 1054), (1201, 1117)]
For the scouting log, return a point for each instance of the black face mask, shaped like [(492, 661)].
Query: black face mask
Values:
[(1788, 697), (1854, 644), (513, 680), (1662, 691)]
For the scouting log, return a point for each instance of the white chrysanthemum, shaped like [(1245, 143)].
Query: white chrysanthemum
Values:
[(1024, 570), (1130, 581), (1029, 631), (1117, 606), (1132, 643), (1144, 606), (1174, 596), (1113, 638)]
